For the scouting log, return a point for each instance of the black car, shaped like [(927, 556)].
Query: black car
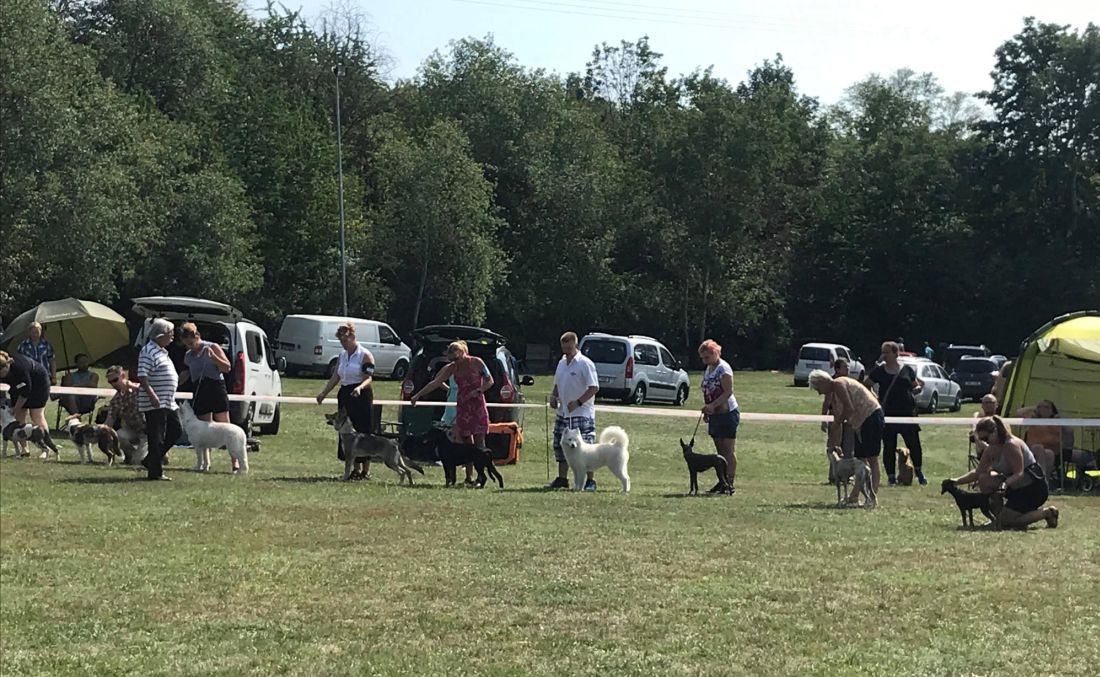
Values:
[(974, 376), (954, 352), (429, 356)]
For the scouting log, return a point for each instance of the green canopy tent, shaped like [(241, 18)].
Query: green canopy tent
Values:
[(1060, 362)]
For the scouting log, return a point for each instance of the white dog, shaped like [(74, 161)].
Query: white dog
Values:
[(134, 444), (613, 451), (207, 435)]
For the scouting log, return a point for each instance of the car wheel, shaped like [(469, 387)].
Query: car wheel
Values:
[(246, 422), (330, 369), (273, 427), (958, 403), (681, 396), (639, 394), (399, 370), (934, 403)]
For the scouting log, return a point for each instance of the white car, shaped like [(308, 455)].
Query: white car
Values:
[(255, 370), (822, 356), (309, 344), (939, 391), (636, 369)]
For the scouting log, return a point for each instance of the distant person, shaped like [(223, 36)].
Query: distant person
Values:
[(83, 377), (929, 352), (36, 347), (1052, 445), (897, 384), (988, 408), (573, 400), (721, 411), (901, 344)]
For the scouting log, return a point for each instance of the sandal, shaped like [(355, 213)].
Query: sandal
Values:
[(1052, 517)]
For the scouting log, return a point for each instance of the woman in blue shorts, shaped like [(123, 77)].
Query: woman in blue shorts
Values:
[(720, 406)]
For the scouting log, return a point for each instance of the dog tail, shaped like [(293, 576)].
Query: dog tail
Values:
[(614, 435)]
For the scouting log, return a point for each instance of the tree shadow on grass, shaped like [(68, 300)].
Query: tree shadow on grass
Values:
[(829, 505), (115, 479)]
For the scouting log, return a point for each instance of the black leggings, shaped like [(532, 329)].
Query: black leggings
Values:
[(911, 435), (359, 409)]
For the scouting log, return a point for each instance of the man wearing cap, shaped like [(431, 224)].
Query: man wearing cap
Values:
[(157, 396)]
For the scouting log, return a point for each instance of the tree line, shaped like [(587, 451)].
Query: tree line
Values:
[(187, 147)]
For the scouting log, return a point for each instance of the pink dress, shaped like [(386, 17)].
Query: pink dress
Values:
[(471, 416)]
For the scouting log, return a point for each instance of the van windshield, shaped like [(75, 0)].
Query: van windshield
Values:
[(604, 351), (974, 366), (811, 354)]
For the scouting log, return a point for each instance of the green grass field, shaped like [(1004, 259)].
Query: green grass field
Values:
[(288, 571)]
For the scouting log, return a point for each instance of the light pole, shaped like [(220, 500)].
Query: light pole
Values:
[(338, 70)]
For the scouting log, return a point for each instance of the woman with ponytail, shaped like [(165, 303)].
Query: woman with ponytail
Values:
[(1008, 467)]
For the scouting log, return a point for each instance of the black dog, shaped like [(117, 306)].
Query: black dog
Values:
[(967, 502), (698, 463), (453, 454)]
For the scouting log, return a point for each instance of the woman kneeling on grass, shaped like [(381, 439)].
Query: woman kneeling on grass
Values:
[(1008, 467)]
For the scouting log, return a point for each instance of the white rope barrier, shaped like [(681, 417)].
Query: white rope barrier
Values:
[(660, 412)]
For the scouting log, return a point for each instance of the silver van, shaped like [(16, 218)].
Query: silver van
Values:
[(309, 344), (635, 369)]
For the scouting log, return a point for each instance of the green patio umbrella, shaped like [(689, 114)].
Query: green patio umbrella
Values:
[(73, 327)]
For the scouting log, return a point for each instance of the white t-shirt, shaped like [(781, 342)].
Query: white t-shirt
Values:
[(712, 384), (355, 367), (572, 379)]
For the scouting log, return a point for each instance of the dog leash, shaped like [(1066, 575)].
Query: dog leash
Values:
[(693, 432)]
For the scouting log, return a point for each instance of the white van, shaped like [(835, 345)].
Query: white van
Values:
[(255, 368), (308, 342), (821, 356)]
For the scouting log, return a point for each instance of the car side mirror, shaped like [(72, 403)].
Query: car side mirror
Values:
[(526, 380), (280, 363)]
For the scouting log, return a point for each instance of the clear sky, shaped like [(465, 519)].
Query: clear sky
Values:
[(829, 44)]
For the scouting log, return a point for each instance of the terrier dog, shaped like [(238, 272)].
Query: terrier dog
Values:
[(698, 463), (84, 435), (852, 469), (968, 501), (19, 435), (905, 468)]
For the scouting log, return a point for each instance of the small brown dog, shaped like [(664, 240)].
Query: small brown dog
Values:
[(84, 435), (905, 468)]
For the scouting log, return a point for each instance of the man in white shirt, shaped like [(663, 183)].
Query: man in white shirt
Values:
[(574, 402), (157, 396)]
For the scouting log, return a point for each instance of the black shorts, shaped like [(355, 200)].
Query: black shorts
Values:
[(39, 392), (210, 398), (869, 439), (1026, 499)]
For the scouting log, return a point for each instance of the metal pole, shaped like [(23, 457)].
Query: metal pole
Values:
[(339, 71)]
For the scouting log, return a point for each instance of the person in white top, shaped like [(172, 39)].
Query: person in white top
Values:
[(574, 402), (355, 373), (720, 408)]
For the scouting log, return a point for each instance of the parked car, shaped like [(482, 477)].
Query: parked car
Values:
[(255, 369), (939, 391), (954, 352), (636, 369), (429, 356), (999, 359), (974, 375), (822, 356), (309, 344)]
